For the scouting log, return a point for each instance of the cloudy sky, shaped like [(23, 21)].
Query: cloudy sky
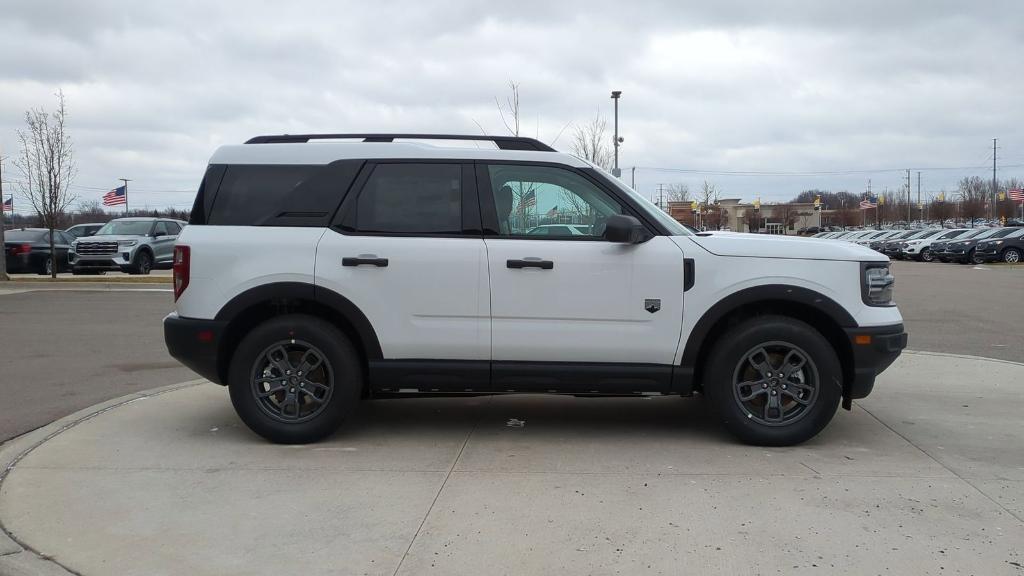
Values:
[(761, 98)]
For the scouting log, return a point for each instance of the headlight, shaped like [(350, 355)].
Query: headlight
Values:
[(876, 284), (126, 243), (997, 242)]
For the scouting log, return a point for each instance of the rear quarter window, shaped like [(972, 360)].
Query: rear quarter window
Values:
[(279, 195)]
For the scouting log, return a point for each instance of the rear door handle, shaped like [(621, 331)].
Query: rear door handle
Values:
[(530, 263), (368, 259)]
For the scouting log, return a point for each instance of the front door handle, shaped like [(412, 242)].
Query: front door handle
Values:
[(530, 263), (369, 259)]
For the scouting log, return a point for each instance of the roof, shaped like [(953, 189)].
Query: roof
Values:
[(326, 148)]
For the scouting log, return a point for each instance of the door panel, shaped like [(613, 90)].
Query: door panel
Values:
[(591, 305), (429, 301)]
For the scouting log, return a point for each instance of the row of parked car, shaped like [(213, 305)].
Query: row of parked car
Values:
[(964, 245), (132, 245)]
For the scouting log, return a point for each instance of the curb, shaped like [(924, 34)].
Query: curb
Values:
[(16, 558), (964, 356)]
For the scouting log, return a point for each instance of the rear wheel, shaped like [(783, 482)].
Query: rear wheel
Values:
[(926, 255), (774, 380), (1011, 256), (294, 379)]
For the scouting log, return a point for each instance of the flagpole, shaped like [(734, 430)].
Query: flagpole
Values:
[(126, 181)]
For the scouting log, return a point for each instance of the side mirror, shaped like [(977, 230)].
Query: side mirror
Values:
[(626, 229)]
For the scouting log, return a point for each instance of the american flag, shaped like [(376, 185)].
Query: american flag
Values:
[(9, 205), (867, 204), (552, 213), (1017, 195), (116, 196), (528, 199)]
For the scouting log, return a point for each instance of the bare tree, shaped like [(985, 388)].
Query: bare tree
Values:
[(974, 193), (512, 103), (677, 192), (589, 142), (708, 194), (47, 166)]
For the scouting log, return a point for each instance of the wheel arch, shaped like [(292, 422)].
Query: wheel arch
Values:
[(812, 307), (258, 304)]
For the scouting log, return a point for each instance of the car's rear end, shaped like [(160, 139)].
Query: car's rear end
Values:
[(25, 250)]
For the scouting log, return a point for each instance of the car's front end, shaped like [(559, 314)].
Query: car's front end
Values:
[(115, 252)]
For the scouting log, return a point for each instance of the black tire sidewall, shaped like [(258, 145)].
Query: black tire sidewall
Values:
[(143, 258), (345, 363), (729, 349)]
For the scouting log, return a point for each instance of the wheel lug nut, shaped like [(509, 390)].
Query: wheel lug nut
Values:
[(783, 386), (764, 385), (774, 392)]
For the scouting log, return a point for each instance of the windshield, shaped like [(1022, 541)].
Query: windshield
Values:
[(927, 234), (674, 228), (1002, 233), (125, 228), (24, 235)]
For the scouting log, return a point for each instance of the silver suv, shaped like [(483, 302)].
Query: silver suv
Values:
[(132, 245)]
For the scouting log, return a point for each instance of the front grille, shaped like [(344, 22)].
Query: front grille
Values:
[(96, 248)]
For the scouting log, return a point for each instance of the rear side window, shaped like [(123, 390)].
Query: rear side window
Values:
[(409, 198), (280, 195)]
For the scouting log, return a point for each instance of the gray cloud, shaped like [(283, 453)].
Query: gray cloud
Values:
[(154, 87)]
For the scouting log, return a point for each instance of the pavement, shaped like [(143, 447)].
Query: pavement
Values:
[(923, 477)]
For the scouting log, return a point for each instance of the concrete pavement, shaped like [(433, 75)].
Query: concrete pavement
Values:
[(924, 477)]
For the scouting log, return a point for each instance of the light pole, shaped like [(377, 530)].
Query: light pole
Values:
[(615, 167)]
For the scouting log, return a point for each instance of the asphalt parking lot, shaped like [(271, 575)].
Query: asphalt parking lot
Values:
[(921, 477)]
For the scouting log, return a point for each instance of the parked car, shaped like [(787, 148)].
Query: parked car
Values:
[(963, 249), (84, 230), (132, 245), (919, 247), (28, 250), (1007, 248), (890, 244), (559, 230), (314, 275), (940, 249)]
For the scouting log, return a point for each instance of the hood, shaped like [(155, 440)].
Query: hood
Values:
[(776, 246), (110, 238)]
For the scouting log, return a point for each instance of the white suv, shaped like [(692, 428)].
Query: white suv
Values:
[(321, 269)]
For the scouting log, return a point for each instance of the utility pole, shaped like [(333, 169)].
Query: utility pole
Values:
[(908, 197), (615, 169), (632, 179), (3, 257), (995, 185), (919, 215), (126, 181), (661, 197)]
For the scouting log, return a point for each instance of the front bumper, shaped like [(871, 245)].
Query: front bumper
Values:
[(988, 254), (196, 344), (874, 349)]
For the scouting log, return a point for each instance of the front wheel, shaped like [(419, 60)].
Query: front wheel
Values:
[(143, 263), (294, 379), (976, 258), (774, 380), (1011, 256), (926, 255)]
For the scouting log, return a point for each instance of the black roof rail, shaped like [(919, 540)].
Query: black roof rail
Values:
[(503, 142)]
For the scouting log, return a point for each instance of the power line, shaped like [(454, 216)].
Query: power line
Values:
[(810, 172)]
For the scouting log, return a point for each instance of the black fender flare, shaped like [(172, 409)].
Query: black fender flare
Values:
[(286, 291), (753, 295)]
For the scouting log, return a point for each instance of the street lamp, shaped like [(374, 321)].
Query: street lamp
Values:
[(615, 168)]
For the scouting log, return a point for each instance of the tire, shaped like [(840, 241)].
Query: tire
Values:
[(1012, 256), (973, 258), (818, 381), (290, 415), (925, 255), (143, 263), (47, 268)]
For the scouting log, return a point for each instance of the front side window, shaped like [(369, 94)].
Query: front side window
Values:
[(410, 199), (548, 202), (125, 228)]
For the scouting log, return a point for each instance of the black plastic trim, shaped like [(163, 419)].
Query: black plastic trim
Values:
[(181, 335), (753, 295), (870, 360), (580, 377), (502, 142), (430, 375), (688, 274)]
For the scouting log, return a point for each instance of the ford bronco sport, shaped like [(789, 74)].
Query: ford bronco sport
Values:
[(321, 269)]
